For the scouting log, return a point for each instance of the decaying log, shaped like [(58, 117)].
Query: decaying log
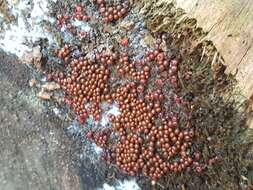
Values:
[(228, 24)]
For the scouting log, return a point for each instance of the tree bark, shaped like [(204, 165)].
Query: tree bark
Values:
[(229, 24)]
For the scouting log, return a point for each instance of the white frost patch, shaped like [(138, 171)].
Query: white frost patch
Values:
[(18, 37), (122, 185), (114, 110)]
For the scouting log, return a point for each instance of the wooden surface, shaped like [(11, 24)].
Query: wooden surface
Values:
[(229, 24)]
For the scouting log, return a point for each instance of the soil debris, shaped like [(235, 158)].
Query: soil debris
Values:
[(32, 82), (50, 86), (44, 95), (33, 57)]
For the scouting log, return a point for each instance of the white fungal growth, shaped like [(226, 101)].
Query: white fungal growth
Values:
[(82, 25), (98, 150), (113, 110), (122, 185), (18, 36)]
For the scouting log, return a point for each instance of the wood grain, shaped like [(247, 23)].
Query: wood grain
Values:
[(229, 24)]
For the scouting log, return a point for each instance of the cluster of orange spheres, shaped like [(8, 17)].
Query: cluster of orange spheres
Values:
[(136, 70), (146, 141), (101, 138), (85, 83), (165, 63), (110, 13), (80, 14), (144, 147), (113, 12), (143, 138), (107, 58), (64, 52), (62, 20)]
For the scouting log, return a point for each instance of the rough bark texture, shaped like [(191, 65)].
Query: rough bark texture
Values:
[(35, 152), (223, 28), (228, 24)]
